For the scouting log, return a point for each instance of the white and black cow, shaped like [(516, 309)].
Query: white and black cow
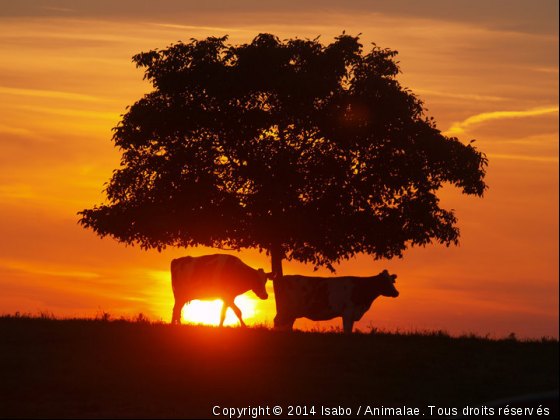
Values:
[(324, 298), (212, 277)]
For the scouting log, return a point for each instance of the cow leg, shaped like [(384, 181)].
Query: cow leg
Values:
[(283, 323), (177, 312), (348, 324), (223, 314), (237, 312)]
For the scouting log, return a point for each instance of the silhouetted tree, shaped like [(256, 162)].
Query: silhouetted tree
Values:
[(310, 152)]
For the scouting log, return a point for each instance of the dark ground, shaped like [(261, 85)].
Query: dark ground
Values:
[(87, 368)]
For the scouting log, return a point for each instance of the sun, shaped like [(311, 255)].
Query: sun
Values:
[(208, 312)]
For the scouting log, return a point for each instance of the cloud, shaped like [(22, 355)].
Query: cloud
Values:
[(467, 96), (15, 130), (57, 272), (543, 159), (21, 132), (73, 112), (510, 15), (547, 70), (47, 94), (17, 191), (461, 127), (211, 28)]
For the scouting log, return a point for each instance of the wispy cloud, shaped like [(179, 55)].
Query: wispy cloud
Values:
[(14, 130), (23, 132), (461, 127), (209, 28), (548, 70), (468, 96), (73, 112), (57, 272), (544, 159), (16, 191), (47, 94)]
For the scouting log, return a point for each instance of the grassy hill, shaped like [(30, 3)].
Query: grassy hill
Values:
[(93, 368)]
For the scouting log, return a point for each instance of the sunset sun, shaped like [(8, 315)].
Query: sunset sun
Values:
[(208, 312)]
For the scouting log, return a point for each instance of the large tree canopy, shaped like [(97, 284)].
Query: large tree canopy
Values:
[(311, 152)]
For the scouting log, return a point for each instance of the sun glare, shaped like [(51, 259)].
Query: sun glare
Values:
[(204, 312)]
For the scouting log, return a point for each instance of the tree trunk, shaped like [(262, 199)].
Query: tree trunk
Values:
[(276, 256)]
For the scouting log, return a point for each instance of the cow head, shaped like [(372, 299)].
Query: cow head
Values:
[(260, 284), (388, 284)]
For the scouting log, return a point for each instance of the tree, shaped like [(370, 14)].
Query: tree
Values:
[(309, 152)]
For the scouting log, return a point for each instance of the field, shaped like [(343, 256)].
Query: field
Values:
[(101, 368)]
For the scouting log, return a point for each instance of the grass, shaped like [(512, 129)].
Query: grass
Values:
[(138, 368)]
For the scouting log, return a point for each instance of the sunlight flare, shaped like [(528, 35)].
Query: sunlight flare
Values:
[(208, 312)]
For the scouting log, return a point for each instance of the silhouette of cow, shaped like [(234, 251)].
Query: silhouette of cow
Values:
[(324, 298), (212, 277)]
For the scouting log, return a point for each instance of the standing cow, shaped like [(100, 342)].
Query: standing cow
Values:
[(212, 277), (324, 298)]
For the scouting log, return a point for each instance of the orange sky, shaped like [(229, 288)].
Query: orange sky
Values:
[(485, 71)]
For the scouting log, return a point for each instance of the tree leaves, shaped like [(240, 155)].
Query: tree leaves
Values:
[(314, 148)]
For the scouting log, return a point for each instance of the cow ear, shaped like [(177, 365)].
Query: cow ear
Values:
[(270, 276), (394, 277), (385, 272)]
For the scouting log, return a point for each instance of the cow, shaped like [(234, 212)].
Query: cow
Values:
[(212, 277), (324, 298)]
